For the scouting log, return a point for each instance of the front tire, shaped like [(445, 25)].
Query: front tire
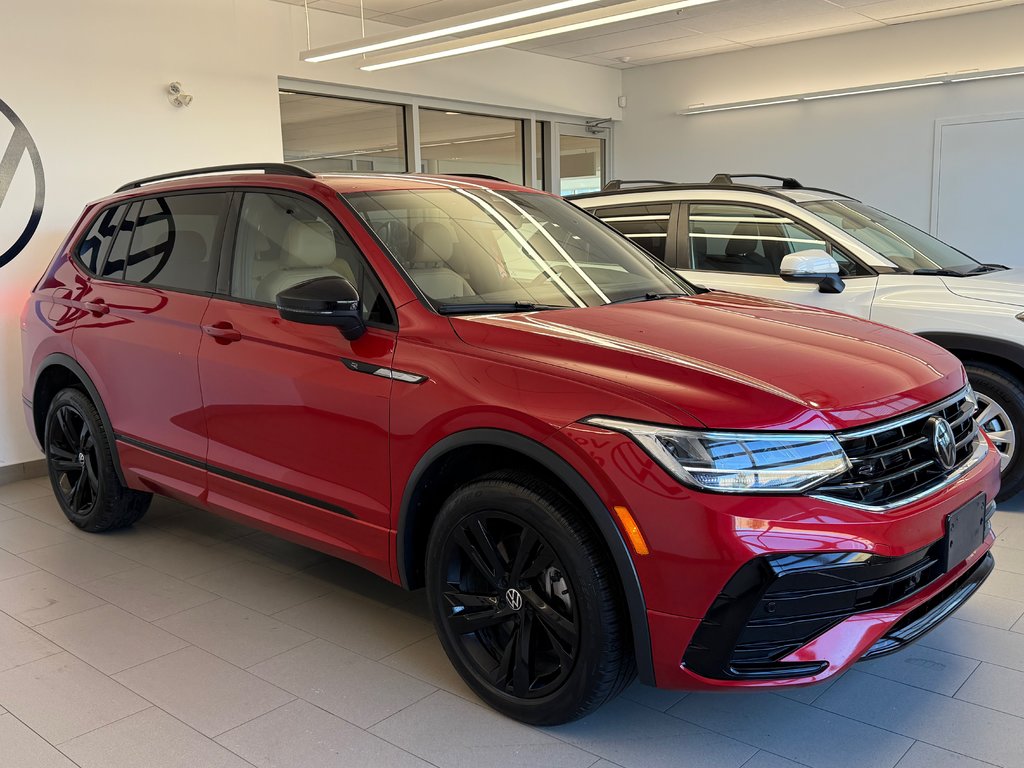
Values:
[(1001, 415), (525, 602), (79, 458)]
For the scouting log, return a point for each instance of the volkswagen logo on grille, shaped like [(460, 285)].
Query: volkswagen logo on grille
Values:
[(943, 441), (514, 599)]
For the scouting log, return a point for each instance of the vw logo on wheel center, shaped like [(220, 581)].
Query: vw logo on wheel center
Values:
[(943, 441), (514, 599), (18, 218)]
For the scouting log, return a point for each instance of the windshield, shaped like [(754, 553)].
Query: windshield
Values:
[(906, 246), (474, 249)]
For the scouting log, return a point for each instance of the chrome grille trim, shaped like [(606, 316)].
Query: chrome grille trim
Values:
[(906, 469)]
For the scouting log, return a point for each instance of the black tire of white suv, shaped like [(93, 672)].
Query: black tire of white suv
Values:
[(1001, 415)]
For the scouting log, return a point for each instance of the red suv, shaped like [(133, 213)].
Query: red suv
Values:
[(594, 468)]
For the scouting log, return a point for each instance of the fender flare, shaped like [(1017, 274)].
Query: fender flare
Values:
[(993, 347), (65, 361), (602, 518)]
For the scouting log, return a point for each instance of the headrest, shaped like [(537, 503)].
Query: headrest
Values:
[(308, 245), (432, 242), (740, 246), (190, 245)]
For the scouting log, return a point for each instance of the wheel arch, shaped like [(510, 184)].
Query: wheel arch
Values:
[(435, 476), (970, 348), (56, 372)]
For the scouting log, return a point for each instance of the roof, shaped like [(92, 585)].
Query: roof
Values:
[(788, 189)]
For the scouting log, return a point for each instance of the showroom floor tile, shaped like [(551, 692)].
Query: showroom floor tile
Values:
[(193, 641)]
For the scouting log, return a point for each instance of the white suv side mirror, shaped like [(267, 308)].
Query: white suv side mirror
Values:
[(814, 266)]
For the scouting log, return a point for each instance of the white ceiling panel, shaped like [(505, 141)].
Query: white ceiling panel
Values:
[(714, 27)]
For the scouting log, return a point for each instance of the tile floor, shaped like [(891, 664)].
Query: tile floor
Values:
[(192, 641)]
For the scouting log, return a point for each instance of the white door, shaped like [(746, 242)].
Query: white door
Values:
[(739, 248)]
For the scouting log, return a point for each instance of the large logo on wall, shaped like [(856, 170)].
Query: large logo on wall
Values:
[(12, 163)]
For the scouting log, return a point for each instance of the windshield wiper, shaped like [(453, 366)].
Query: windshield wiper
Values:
[(940, 272), (647, 297), (982, 268), (487, 309)]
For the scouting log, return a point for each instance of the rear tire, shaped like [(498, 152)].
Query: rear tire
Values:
[(525, 601), (1001, 415), (79, 458)]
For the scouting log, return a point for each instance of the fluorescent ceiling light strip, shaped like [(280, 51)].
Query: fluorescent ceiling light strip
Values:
[(536, 34), (986, 77), (455, 29), (741, 106), (872, 90)]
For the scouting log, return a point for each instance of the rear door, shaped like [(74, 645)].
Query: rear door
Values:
[(739, 247), (298, 415), (139, 341)]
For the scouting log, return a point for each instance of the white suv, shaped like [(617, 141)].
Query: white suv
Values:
[(813, 246)]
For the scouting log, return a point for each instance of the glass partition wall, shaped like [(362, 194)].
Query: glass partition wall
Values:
[(347, 133)]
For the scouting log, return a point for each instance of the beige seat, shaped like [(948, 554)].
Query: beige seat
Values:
[(432, 246), (308, 252)]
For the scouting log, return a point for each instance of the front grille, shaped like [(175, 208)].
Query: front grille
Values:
[(895, 460)]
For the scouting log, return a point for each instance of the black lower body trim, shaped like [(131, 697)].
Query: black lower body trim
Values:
[(929, 615), (215, 470)]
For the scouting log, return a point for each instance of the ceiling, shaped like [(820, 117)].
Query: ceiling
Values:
[(717, 27)]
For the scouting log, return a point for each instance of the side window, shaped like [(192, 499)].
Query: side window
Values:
[(115, 261), (176, 243), (645, 225), (737, 238), (94, 246), (283, 241)]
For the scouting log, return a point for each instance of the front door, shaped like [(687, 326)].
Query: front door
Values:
[(298, 422)]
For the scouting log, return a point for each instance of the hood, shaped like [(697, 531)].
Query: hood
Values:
[(1003, 287), (731, 361)]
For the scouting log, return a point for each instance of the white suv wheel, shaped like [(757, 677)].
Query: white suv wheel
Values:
[(997, 425)]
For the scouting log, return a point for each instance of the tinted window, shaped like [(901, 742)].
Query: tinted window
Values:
[(176, 242), (283, 241), (114, 264), (93, 248), (645, 225), (748, 240)]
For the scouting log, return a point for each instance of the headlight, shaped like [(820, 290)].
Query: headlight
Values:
[(737, 462)]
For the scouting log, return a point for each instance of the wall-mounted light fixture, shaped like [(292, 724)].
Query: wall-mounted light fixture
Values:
[(944, 79), (512, 31), (177, 96)]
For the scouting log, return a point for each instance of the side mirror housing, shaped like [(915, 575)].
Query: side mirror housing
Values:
[(324, 301), (813, 266)]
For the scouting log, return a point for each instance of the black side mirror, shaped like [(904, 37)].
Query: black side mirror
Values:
[(324, 301)]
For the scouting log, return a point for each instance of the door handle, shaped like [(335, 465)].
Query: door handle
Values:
[(223, 332), (98, 307)]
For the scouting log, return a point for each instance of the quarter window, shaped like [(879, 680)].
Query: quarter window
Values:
[(283, 241), (93, 248), (645, 225)]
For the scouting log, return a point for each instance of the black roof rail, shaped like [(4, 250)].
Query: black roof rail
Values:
[(787, 182), (611, 193), (282, 169), (616, 184)]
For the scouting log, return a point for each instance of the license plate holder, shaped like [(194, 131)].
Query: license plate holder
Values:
[(965, 532)]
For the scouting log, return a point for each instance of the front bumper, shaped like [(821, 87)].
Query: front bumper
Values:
[(702, 543)]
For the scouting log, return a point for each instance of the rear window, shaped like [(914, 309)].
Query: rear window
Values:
[(645, 225), (96, 243)]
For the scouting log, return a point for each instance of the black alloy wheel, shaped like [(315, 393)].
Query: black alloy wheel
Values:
[(80, 460), (508, 602), (73, 460), (525, 600)]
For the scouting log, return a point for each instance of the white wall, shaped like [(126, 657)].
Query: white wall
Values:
[(89, 80), (877, 147)]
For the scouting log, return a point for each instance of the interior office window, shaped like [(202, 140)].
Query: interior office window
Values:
[(645, 225), (739, 238), (176, 242), (459, 142), (327, 134), (97, 240), (580, 164), (283, 241)]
